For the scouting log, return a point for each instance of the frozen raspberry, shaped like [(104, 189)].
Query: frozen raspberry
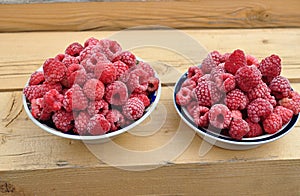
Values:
[(236, 114), (87, 52), (126, 57), (75, 74), (271, 99), (235, 61), (116, 93), (116, 119), (205, 77), (54, 70), (147, 68), (200, 116), (52, 101), (292, 102), (270, 67), (97, 107), (216, 56), (63, 120), (254, 129), (208, 64), (38, 111), (91, 42), (106, 72), (191, 107), (285, 114), (81, 122), (247, 78), (194, 73), (133, 108), (219, 116), (94, 89), (183, 96), (33, 92), (75, 99), (280, 87), (111, 49), (225, 57), (90, 76), (251, 60), (236, 100), (142, 97), (207, 93), (272, 123), (68, 60), (74, 49), (190, 84), (137, 81), (238, 128), (36, 78), (225, 82), (260, 91), (98, 125), (121, 68), (216, 72), (89, 63), (153, 83), (259, 109)]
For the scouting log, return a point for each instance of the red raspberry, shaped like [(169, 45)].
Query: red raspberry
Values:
[(89, 63), (235, 61), (98, 125), (225, 57), (116, 119), (121, 68), (74, 99), (97, 107), (280, 87), (116, 93), (285, 114), (236, 100), (111, 49), (36, 78), (52, 101), (106, 72), (54, 70), (81, 121), (260, 91), (219, 116), (94, 89), (133, 109), (90, 76), (259, 109), (126, 57), (138, 81), (208, 64), (191, 107), (292, 102), (205, 77), (271, 99), (200, 116), (63, 120), (38, 111), (33, 92), (247, 78), (236, 114), (183, 96), (194, 73), (225, 82), (207, 93), (272, 123), (216, 72), (147, 68), (216, 56), (254, 129), (144, 98), (153, 83), (68, 60), (75, 74), (238, 128), (251, 60), (74, 49), (190, 84), (270, 67), (91, 42)]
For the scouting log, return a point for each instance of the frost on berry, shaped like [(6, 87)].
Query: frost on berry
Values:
[(75, 74), (183, 96), (235, 61), (91, 42), (188, 83), (90, 62), (52, 101), (194, 73), (116, 93), (138, 81), (238, 128), (292, 102), (94, 89), (126, 57), (97, 107), (153, 84), (75, 99), (272, 123), (270, 67), (63, 120), (54, 70), (259, 109), (133, 109), (106, 72), (116, 119), (255, 129), (36, 78), (251, 60), (236, 100), (212, 60), (111, 49), (80, 122), (280, 87), (285, 114), (200, 116), (98, 125), (207, 93), (247, 78), (219, 116)]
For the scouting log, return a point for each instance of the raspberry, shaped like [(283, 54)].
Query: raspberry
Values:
[(270, 67), (208, 64), (116, 119), (116, 93), (292, 102), (216, 72), (225, 82), (63, 120), (69, 60), (106, 72), (147, 68), (238, 128), (33, 92), (260, 91), (111, 49), (91, 42), (254, 129), (52, 101), (74, 99), (205, 77), (153, 83), (126, 57), (259, 109), (236, 114), (194, 73), (225, 57), (280, 87), (89, 63), (36, 78), (94, 89), (54, 70), (75, 74), (188, 83), (37, 110), (142, 97), (247, 77), (216, 56), (200, 116), (183, 96), (207, 93), (285, 114), (97, 107), (191, 106), (236, 100), (121, 68), (98, 125), (138, 81), (235, 61), (219, 116), (251, 60), (74, 49), (272, 123), (133, 109), (81, 122)]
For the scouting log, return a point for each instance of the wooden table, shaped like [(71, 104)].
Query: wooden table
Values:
[(33, 162)]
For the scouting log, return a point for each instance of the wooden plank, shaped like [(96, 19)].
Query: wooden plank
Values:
[(176, 14)]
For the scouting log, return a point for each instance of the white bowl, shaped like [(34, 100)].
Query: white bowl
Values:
[(224, 141)]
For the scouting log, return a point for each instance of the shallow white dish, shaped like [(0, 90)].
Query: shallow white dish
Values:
[(224, 141)]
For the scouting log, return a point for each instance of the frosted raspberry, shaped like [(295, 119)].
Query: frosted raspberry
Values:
[(137, 81), (251, 60), (126, 57), (270, 67), (106, 72), (147, 68), (91, 42), (190, 84), (292, 102), (216, 72), (143, 97), (81, 121), (87, 52), (36, 78), (247, 78), (67, 59), (52, 101), (236, 100), (216, 56), (75, 74), (205, 77), (208, 64), (98, 125), (194, 73), (33, 92), (235, 61), (207, 93), (183, 96), (89, 63), (63, 120), (111, 49), (94, 89), (254, 129), (271, 99), (90, 76), (280, 87), (272, 123), (225, 57), (133, 109), (238, 128), (38, 111), (259, 109), (116, 119), (200, 116), (285, 114), (97, 107), (121, 68), (54, 70), (153, 83), (236, 114), (75, 99), (260, 91), (219, 116), (116, 93), (225, 82), (74, 49), (191, 107)]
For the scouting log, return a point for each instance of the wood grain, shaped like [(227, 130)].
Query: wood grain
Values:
[(176, 14)]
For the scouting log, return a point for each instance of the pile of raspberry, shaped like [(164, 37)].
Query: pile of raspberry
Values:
[(238, 95), (91, 89)]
